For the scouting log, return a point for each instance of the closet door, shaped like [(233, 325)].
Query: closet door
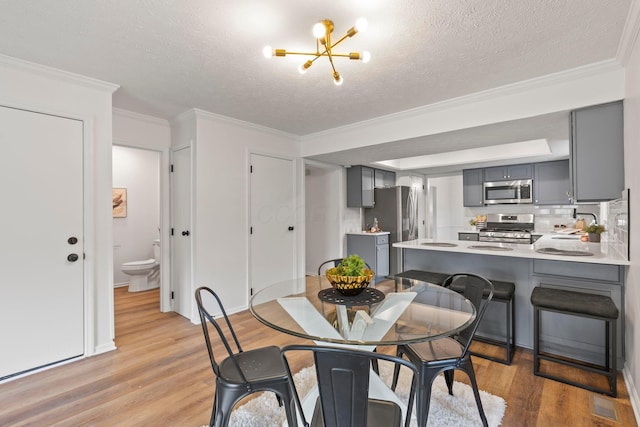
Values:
[(41, 267)]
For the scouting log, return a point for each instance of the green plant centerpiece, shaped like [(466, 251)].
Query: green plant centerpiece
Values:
[(351, 276), (594, 231)]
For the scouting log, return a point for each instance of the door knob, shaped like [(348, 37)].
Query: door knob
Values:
[(185, 233), (72, 257), (290, 228), (72, 240)]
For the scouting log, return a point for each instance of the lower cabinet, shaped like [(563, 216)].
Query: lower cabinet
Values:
[(374, 250)]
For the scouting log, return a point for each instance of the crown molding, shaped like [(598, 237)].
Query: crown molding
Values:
[(549, 80), (205, 115), (630, 33), (140, 117), (54, 73)]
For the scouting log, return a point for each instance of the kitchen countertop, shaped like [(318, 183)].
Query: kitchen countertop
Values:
[(368, 233), (602, 252)]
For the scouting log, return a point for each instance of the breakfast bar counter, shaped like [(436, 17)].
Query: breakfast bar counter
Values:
[(557, 246), (555, 261)]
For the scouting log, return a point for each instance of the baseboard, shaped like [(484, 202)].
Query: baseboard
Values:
[(634, 398)]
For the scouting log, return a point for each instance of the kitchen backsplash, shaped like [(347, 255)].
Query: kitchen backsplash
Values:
[(617, 224), (546, 217)]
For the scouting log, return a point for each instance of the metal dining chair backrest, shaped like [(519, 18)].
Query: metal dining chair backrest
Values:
[(475, 287), (207, 318), (343, 384)]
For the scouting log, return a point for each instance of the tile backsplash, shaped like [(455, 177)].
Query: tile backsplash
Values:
[(617, 223)]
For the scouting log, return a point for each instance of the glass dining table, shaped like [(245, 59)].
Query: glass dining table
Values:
[(385, 313), (390, 312)]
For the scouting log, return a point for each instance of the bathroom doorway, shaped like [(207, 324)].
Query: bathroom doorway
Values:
[(136, 218)]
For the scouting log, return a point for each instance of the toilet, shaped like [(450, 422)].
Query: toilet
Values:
[(144, 275)]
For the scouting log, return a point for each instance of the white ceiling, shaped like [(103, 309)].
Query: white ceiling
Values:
[(169, 56)]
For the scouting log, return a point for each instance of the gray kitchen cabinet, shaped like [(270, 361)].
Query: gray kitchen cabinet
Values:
[(374, 250), (551, 183), (360, 182), (509, 172), (597, 152), (472, 187), (384, 179)]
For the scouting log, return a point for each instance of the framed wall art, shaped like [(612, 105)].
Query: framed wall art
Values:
[(119, 197)]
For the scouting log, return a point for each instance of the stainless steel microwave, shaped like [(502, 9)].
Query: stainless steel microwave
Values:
[(508, 192)]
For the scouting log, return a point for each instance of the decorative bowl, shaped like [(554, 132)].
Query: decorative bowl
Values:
[(349, 285)]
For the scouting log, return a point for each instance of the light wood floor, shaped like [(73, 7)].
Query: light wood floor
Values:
[(160, 376)]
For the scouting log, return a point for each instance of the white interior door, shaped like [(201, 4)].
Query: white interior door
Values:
[(273, 221), (41, 281), (181, 238)]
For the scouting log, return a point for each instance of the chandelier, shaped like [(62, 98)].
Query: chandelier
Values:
[(324, 47)]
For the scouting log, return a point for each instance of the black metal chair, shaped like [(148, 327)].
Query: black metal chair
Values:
[(241, 373), (448, 354), (343, 385)]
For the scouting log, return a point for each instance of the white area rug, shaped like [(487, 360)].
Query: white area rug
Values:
[(446, 411)]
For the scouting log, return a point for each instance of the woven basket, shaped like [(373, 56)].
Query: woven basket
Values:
[(349, 285)]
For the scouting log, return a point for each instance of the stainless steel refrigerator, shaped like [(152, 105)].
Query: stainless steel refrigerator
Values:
[(396, 209)]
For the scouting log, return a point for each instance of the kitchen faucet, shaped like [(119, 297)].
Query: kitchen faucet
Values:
[(595, 218)]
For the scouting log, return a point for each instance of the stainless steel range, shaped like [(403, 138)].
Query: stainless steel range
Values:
[(508, 228)]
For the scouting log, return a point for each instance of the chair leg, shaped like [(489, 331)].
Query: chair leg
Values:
[(448, 378), (279, 399), (423, 395), (468, 368), (213, 410), (396, 370)]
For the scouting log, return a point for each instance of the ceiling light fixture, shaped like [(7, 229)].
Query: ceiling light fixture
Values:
[(322, 32)]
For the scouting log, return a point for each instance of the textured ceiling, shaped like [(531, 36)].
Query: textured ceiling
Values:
[(171, 56)]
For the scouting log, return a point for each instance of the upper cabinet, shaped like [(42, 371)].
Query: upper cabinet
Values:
[(384, 179), (597, 152), (472, 187), (551, 183), (504, 173), (360, 181)]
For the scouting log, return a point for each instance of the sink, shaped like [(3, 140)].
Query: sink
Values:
[(564, 252), (490, 248), (441, 244)]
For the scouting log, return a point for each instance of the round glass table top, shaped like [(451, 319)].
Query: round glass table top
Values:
[(389, 313)]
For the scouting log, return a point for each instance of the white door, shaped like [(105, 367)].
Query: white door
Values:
[(273, 221), (181, 232), (41, 267)]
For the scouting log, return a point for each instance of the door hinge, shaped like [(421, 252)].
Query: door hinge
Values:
[(250, 230), (171, 169), (251, 169), (172, 295), (251, 291), (172, 231)]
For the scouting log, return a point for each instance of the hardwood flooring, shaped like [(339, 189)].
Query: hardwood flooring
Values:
[(160, 376)]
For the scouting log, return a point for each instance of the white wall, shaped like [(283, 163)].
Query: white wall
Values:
[(138, 171), (632, 181), (323, 232), (446, 195), (37, 88), (220, 237)]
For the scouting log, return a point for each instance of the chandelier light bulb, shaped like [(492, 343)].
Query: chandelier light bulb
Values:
[(366, 56), (267, 52), (319, 30), (361, 25), (304, 67), (337, 79)]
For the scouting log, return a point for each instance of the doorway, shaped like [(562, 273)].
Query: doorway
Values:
[(136, 223)]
